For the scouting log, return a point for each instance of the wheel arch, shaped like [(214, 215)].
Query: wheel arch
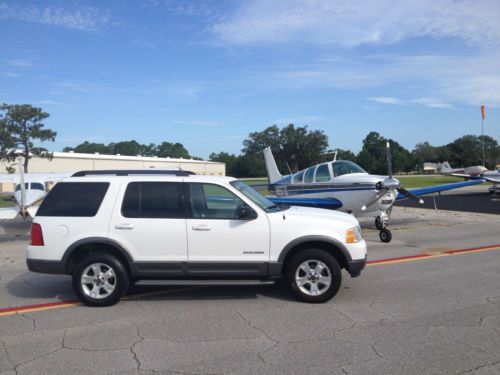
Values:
[(332, 246), (83, 247)]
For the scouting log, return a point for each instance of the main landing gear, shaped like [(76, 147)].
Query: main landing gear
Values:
[(381, 223)]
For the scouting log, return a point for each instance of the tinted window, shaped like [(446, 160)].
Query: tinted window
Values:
[(37, 186), (153, 200), (309, 175), (297, 179), (18, 186), (209, 201), (74, 199), (322, 173)]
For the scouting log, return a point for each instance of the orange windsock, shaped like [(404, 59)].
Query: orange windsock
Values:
[(483, 112)]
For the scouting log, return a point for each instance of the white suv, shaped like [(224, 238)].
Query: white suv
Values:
[(112, 228)]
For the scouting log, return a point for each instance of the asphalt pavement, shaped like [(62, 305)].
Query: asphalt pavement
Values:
[(431, 312)]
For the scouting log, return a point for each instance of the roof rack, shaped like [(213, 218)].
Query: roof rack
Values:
[(128, 172)]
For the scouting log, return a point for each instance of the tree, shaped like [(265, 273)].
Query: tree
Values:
[(230, 160), (424, 152), (23, 124), (6, 141), (467, 150), (172, 150), (295, 146), (89, 148), (373, 155)]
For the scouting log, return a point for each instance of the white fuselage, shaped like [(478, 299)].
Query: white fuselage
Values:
[(34, 192)]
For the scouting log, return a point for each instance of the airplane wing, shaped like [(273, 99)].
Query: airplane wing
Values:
[(438, 188), (8, 213), (14, 177), (330, 203), (462, 175)]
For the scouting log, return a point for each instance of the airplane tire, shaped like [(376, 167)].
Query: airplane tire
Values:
[(378, 223), (385, 235)]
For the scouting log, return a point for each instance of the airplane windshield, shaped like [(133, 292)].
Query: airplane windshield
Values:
[(37, 186), (18, 186), (345, 167), (255, 196)]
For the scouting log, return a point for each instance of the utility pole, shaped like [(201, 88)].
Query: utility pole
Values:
[(483, 116)]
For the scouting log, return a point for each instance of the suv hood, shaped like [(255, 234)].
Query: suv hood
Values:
[(319, 213)]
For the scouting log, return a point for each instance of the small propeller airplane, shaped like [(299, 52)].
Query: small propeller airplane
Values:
[(30, 189), (344, 185), (476, 172)]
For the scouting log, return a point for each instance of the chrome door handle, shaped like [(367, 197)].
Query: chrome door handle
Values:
[(203, 227), (124, 226)]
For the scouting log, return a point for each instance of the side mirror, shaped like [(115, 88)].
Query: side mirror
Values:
[(246, 213)]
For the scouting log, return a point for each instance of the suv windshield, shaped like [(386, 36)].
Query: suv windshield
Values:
[(256, 197)]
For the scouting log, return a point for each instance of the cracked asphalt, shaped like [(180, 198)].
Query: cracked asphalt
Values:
[(429, 316)]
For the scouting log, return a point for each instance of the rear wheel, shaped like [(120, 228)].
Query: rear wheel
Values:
[(314, 275), (100, 280)]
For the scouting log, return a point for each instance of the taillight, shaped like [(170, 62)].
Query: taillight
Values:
[(36, 235)]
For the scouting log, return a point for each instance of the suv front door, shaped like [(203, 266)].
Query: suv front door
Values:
[(220, 242)]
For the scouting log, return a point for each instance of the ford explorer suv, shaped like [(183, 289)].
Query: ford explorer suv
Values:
[(110, 229)]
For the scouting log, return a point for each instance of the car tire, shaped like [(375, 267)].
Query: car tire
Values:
[(100, 280), (314, 275)]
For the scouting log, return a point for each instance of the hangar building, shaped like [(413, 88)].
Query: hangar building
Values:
[(72, 162)]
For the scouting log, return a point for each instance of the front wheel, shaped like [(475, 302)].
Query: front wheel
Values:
[(385, 235), (314, 275), (100, 280)]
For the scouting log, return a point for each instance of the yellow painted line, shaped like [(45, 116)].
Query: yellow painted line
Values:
[(63, 305)]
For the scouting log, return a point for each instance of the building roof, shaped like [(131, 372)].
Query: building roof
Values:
[(97, 156)]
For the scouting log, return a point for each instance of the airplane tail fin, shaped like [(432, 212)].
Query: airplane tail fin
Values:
[(273, 172), (444, 167)]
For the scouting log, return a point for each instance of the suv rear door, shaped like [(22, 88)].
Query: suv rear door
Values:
[(150, 222), (219, 242)]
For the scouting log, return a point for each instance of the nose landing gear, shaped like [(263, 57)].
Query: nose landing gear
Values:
[(381, 223)]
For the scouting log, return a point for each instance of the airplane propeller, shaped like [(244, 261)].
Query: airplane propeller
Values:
[(390, 184)]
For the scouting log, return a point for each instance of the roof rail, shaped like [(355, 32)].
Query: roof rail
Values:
[(128, 172)]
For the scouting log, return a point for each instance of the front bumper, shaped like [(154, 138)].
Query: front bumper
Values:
[(46, 266), (354, 267)]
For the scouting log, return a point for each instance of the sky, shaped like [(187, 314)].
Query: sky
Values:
[(208, 73)]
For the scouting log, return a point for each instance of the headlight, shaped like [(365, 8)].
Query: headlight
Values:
[(353, 235)]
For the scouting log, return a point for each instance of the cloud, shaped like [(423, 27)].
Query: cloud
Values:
[(19, 63), (349, 23), (202, 123), (84, 18), (9, 74), (433, 103), (386, 100)]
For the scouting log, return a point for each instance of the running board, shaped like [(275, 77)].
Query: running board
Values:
[(202, 282)]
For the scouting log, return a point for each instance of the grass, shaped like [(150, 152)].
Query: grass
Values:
[(406, 181), (6, 201), (424, 181)]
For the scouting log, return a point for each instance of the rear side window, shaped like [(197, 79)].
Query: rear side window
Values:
[(80, 199), (153, 200)]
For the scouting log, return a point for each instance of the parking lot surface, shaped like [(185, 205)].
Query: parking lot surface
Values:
[(416, 309)]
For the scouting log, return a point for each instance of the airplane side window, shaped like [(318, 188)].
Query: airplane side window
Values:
[(308, 178), (322, 173), (297, 179)]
